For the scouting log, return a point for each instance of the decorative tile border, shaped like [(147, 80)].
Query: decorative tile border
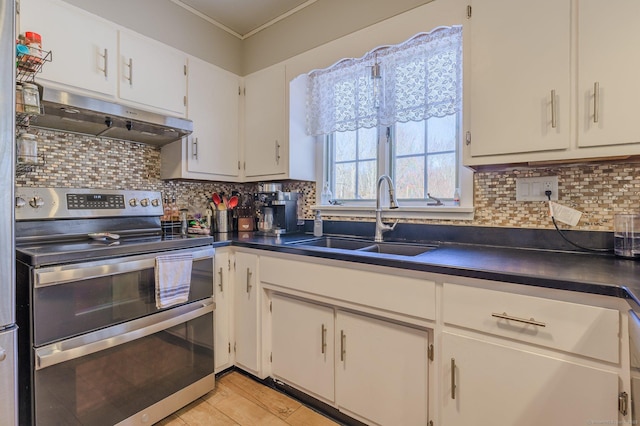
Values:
[(598, 190)]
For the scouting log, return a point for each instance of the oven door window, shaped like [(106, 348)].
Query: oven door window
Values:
[(108, 386), (77, 307)]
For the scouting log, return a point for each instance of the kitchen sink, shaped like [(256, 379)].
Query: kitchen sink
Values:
[(366, 246), (401, 249)]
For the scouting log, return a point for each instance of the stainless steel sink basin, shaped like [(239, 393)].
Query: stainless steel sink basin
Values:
[(400, 249), (366, 246)]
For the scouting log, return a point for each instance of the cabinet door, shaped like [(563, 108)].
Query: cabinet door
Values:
[(265, 146), (83, 46), (302, 345), (246, 314), (608, 62), (223, 293), (503, 386), (213, 108), (520, 55), (381, 370), (151, 73)]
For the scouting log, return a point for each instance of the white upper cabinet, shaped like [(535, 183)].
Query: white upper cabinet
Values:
[(520, 76), (582, 51), (211, 151), (608, 63), (275, 146), (265, 150), (96, 57), (84, 46), (151, 73)]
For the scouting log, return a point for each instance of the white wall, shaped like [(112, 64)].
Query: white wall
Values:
[(391, 31)]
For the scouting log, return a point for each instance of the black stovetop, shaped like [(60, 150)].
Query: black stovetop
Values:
[(51, 253)]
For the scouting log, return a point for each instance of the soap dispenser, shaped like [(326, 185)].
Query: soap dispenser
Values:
[(317, 225)]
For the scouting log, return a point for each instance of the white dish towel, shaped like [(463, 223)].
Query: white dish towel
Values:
[(173, 279)]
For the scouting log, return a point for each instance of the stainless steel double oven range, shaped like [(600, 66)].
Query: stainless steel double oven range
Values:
[(93, 348)]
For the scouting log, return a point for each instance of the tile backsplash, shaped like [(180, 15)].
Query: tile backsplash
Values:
[(599, 190)]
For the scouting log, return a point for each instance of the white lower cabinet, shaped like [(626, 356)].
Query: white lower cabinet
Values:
[(223, 292), (381, 370), (371, 369), (485, 383), (246, 313), (302, 345)]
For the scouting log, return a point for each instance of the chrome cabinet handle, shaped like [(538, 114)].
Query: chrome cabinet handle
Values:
[(130, 65), (343, 341), (324, 338), (554, 120), (3, 354), (106, 61), (220, 284), (277, 152), (596, 101), (249, 280), (453, 378), (530, 321), (194, 149)]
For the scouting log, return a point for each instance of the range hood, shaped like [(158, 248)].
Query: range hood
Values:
[(71, 112)]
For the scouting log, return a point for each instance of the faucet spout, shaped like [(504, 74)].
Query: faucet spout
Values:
[(381, 227)]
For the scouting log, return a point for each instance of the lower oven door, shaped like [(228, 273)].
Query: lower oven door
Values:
[(73, 299), (134, 373)]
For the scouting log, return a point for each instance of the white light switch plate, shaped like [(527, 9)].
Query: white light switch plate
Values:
[(533, 188)]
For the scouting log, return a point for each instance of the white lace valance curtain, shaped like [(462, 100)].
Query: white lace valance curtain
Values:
[(419, 78)]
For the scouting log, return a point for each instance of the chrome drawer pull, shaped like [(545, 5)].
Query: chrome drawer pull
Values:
[(596, 101), (530, 321), (220, 284), (324, 338), (554, 120), (453, 378), (249, 280)]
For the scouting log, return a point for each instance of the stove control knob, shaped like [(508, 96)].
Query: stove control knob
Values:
[(36, 202), (20, 202), (133, 202), (155, 202), (144, 202)]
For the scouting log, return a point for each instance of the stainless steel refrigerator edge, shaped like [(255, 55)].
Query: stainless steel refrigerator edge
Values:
[(8, 330)]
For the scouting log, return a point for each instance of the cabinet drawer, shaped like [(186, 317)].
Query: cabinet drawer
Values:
[(402, 295), (580, 329)]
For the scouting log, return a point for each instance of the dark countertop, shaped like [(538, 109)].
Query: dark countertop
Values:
[(603, 274)]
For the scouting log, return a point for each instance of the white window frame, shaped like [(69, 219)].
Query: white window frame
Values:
[(415, 209)]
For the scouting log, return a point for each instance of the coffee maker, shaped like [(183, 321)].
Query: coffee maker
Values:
[(277, 212)]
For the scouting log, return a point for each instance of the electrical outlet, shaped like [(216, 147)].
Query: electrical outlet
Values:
[(534, 188)]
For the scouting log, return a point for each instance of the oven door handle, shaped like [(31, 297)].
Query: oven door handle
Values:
[(65, 273), (99, 340)]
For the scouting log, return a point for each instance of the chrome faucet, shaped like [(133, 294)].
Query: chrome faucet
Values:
[(381, 226)]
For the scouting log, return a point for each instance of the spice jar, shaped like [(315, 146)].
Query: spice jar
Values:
[(34, 43), (30, 98), (19, 98), (27, 148)]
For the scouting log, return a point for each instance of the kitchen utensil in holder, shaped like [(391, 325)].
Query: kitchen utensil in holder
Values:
[(223, 221)]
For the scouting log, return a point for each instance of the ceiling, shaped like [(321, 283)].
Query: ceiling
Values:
[(243, 18)]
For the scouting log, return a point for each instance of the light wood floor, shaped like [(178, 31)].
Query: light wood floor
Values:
[(240, 400)]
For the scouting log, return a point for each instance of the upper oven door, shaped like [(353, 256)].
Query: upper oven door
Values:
[(70, 300)]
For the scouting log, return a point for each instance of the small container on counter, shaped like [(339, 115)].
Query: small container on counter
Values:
[(317, 225), (626, 235)]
